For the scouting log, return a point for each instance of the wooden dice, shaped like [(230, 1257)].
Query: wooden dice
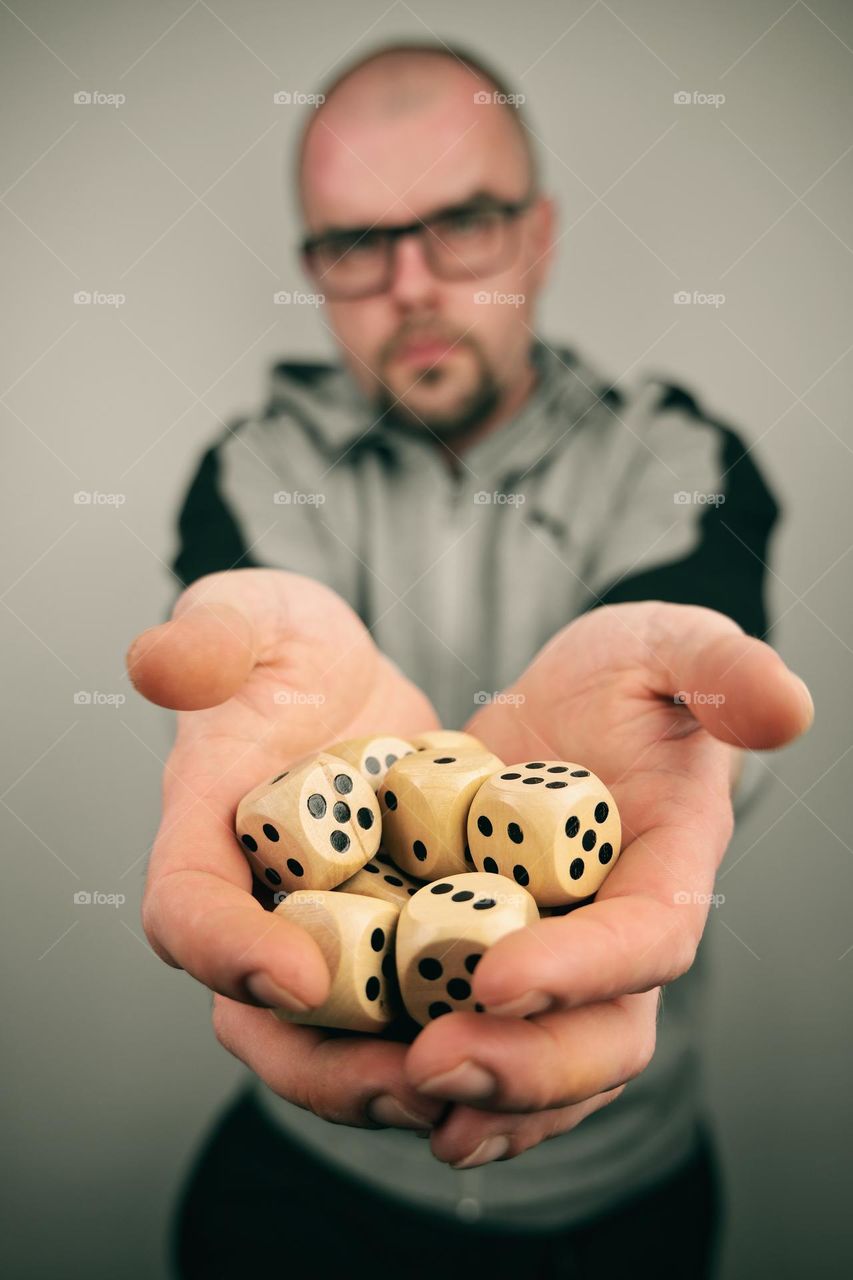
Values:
[(372, 757), (444, 930), (550, 825), (381, 878), (424, 801), (356, 937), (311, 827)]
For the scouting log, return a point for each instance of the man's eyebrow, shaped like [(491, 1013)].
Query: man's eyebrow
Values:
[(476, 199)]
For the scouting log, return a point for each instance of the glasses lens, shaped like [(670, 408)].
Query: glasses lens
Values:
[(471, 242), (350, 265)]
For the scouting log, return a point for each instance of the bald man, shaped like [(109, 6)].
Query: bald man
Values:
[(459, 508)]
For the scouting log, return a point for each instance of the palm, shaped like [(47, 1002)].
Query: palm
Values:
[(596, 695)]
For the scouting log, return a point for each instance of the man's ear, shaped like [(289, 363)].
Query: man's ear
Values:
[(542, 231)]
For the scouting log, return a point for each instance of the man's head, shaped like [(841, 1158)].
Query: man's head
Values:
[(440, 339)]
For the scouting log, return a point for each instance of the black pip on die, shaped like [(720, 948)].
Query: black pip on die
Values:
[(311, 827), (549, 825)]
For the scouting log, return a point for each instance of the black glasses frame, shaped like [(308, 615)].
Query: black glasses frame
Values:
[(509, 209)]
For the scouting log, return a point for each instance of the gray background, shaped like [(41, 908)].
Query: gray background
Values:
[(176, 199)]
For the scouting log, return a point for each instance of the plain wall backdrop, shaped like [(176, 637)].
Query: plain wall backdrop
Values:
[(178, 199)]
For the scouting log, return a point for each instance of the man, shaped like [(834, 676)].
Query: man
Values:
[(387, 546)]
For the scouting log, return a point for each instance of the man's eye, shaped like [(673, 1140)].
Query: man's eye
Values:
[(354, 246), (465, 223)]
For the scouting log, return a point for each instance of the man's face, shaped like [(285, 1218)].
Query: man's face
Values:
[(430, 352)]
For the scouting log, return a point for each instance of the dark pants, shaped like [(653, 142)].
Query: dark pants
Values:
[(258, 1204)]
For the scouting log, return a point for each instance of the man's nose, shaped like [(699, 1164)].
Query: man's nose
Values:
[(412, 281)]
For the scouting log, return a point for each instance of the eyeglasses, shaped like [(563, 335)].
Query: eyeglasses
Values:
[(465, 242)]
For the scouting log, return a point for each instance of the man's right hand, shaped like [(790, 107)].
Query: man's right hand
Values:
[(264, 667)]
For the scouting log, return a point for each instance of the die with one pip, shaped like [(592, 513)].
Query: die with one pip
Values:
[(425, 800), (356, 937), (550, 825), (311, 827), (443, 932)]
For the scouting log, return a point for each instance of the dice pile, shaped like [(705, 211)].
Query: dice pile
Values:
[(406, 860)]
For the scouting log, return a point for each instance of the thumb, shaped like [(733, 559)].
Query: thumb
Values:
[(228, 624), (197, 660), (736, 686)]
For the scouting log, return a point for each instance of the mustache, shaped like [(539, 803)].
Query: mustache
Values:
[(406, 336)]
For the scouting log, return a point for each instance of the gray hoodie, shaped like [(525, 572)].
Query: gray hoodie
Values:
[(588, 495)]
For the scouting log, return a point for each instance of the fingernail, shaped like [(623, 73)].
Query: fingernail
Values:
[(391, 1114), (262, 988), (489, 1149), (465, 1083), (522, 1006)]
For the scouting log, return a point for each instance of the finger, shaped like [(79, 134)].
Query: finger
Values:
[(198, 911), (226, 624), (518, 1065), (347, 1080), (198, 660), (468, 1137), (733, 684)]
